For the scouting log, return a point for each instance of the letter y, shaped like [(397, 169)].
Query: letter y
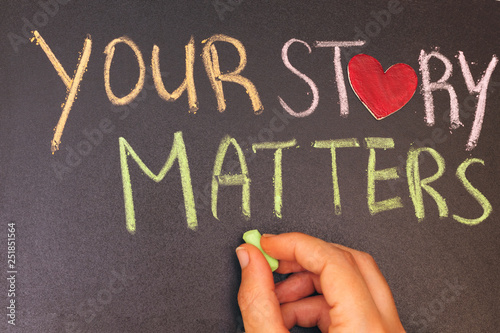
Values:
[(71, 84)]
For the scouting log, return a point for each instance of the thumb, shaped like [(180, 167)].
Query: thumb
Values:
[(258, 303)]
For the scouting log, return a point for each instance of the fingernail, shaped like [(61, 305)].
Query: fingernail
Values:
[(268, 235), (242, 255)]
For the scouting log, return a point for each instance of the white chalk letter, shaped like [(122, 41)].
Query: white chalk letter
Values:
[(312, 85), (481, 89), (339, 73), (428, 87)]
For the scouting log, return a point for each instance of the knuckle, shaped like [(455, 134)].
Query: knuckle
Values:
[(246, 298), (348, 258), (317, 257), (256, 304), (366, 259), (253, 297)]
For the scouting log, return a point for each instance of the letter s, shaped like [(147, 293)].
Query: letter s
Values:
[(487, 208), (314, 89)]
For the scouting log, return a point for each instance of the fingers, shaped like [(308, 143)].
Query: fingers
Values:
[(337, 268), (307, 312), (377, 285), (356, 297), (297, 286), (301, 285), (341, 280), (308, 252), (258, 303), (286, 267)]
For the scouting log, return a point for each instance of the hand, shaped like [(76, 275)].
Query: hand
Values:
[(353, 294)]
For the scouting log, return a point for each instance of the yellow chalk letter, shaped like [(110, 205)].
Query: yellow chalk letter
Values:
[(211, 62), (187, 84), (110, 51), (71, 84)]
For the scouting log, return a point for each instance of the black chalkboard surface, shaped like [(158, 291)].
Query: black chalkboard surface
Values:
[(88, 123)]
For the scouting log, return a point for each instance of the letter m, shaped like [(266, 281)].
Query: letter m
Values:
[(178, 153)]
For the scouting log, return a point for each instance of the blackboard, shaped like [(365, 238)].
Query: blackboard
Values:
[(79, 267)]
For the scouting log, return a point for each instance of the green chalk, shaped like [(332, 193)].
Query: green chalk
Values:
[(253, 237)]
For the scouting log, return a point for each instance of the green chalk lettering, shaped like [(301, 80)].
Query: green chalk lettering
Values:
[(253, 237), (487, 208), (385, 174), (415, 184), (178, 152), (278, 179), (333, 145), (380, 143), (231, 180)]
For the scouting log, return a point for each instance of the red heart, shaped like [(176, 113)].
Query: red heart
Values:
[(381, 93)]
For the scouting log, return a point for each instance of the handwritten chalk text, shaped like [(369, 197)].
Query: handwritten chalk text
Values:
[(212, 66), (416, 185)]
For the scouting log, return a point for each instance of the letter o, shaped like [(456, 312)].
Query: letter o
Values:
[(104, 300), (370, 32), (273, 126), (44, 19), (109, 51), (470, 103), (268, 132), (436, 310), (84, 147)]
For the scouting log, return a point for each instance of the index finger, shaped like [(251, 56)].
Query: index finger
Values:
[(309, 252)]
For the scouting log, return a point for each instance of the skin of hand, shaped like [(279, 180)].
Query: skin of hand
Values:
[(353, 294)]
